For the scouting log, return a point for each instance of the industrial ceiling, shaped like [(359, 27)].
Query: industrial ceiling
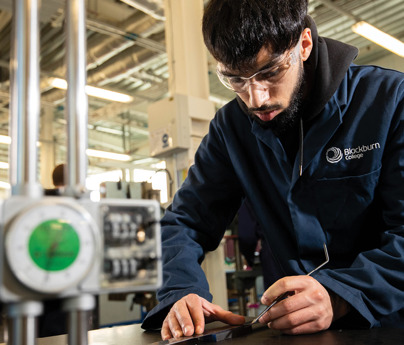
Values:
[(126, 53)]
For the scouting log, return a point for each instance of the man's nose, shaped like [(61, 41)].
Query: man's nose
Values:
[(258, 95)]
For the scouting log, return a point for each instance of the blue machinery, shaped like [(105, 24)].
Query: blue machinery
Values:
[(65, 247)]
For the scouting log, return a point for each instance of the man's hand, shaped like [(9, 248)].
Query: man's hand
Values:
[(189, 314), (309, 309)]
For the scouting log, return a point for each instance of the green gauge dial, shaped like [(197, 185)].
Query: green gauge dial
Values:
[(50, 247), (54, 245)]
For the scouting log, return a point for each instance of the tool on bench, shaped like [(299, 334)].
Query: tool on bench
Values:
[(286, 294)]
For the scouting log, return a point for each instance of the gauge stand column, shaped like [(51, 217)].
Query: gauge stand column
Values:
[(78, 308), (24, 99), (22, 322), (76, 98)]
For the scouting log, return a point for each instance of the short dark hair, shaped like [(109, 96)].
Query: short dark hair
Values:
[(58, 175), (235, 30)]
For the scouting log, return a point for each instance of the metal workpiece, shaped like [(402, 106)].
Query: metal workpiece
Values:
[(213, 335)]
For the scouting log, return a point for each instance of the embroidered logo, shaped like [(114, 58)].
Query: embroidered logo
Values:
[(334, 154)]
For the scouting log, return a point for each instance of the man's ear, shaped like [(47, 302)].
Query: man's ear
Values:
[(307, 44)]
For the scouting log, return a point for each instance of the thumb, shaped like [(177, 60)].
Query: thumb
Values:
[(214, 312)]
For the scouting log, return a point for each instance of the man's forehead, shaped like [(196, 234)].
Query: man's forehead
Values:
[(264, 59)]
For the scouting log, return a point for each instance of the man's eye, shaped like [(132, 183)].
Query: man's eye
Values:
[(236, 81), (269, 74)]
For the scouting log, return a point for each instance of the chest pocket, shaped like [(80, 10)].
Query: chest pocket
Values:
[(342, 204)]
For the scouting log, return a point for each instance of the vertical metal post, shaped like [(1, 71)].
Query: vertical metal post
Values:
[(24, 129), (23, 322), (25, 99), (78, 310), (77, 102)]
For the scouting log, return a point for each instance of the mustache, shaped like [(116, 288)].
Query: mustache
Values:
[(265, 108)]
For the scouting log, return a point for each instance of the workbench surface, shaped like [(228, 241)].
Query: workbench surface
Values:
[(134, 335)]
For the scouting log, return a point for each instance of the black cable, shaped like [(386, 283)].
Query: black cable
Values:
[(170, 180), (301, 147)]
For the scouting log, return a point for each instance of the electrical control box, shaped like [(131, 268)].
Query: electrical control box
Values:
[(131, 246), (174, 121)]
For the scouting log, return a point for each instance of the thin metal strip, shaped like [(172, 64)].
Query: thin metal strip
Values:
[(211, 335)]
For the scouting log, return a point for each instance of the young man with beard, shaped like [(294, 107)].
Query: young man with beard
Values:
[(315, 145)]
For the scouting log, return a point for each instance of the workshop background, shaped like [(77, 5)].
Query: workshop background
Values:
[(141, 49)]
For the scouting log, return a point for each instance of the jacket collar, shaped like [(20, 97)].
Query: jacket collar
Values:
[(325, 71)]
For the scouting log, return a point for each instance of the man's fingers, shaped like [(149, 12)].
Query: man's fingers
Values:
[(309, 310), (284, 307), (230, 318), (187, 316), (214, 312), (291, 320), (299, 322), (284, 285), (165, 330), (195, 309)]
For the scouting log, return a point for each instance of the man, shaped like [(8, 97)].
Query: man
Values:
[(315, 144)]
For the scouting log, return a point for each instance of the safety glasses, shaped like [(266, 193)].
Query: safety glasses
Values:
[(266, 78)]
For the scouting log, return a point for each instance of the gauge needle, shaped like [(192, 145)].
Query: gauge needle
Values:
[(53, 248), (286, 294), (50, 254)]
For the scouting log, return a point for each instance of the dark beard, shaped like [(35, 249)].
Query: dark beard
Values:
[(287, 118)]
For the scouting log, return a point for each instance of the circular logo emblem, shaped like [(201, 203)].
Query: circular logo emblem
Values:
[(333, 155)]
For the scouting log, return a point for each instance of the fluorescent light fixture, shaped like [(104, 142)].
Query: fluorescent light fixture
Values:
[(4, 185), (109, 95), (5, 139), (95, 91), (108, 155), (4, 165), (379, 37), (59, 83)]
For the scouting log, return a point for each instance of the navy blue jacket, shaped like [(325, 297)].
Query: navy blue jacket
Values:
[(350, 196)]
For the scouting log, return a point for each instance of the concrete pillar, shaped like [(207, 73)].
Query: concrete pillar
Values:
[(187, 56), (188, 69)]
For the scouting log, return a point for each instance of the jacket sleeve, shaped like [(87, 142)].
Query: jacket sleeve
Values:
[(195, 223), (374, 283)]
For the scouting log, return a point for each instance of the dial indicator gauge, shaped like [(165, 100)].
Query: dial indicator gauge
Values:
[(51, 247)]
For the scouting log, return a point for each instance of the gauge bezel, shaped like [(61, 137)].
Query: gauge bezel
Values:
[(24, 268)]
